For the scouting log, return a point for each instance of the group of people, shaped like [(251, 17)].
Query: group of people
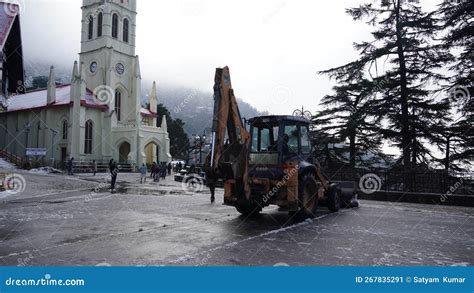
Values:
[(157, 171)]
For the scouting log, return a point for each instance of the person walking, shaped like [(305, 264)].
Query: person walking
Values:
[(169, 169), (143, 170), (153, 171), (163, 171), (211, 179), (94, 167), (114, 170), (70, 167)]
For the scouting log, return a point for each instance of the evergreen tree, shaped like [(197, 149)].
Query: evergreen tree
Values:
[(457, 137), (179, 142), (403, 62), (351, 114)]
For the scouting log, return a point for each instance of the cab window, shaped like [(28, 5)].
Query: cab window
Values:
[(263, 139), (305, 142), (291, 132)]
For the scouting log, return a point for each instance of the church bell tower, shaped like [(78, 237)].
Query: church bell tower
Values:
[(112, 70)]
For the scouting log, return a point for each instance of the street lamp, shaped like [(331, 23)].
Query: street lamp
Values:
[(199, 143)]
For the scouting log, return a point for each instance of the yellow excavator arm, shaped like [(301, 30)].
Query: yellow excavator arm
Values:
[(230, 139)]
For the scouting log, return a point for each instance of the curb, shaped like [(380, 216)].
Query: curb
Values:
[(422, 198)]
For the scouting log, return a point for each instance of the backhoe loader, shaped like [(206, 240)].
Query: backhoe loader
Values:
[(266, 160)]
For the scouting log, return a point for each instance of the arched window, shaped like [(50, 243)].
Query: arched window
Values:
[(99, 24), (65, 129), (125, 30), (115, 26), (88, 137), (118, 105), (90, 32)]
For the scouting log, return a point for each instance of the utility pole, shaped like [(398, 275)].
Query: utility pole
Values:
[(53, 135)]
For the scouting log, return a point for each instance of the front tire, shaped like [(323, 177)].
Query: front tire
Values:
[(334, 196), (308, 197)]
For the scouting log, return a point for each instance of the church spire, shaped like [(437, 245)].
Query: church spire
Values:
[(75, 72), (51, 98), (153, 98), (164, 124), (138, 73)]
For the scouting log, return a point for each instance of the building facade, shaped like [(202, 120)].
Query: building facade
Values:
[(99, 115)]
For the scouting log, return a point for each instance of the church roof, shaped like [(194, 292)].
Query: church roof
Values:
[(38, 99), (147, 113), (8, 12)]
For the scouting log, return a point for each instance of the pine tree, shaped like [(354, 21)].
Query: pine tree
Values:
[(457, 138), (350, 114), (403, 62), (179, 141)]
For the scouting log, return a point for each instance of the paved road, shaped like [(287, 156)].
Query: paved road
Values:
[(163, 224)]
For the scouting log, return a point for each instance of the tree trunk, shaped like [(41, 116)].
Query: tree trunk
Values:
[(406, 137), (352, 150), (447, 159)]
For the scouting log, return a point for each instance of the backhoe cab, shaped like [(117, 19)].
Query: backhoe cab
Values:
[(269, 164)]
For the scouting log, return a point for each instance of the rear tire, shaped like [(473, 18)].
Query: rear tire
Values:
[(334, 199), (247, 208), (307, 197)]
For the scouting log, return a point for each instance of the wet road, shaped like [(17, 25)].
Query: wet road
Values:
[(154, 225)]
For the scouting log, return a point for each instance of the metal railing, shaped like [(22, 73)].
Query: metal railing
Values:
[(411, 181), (9, 157)]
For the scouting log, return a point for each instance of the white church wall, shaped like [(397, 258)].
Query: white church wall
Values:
[(115, 67), (95, 116)]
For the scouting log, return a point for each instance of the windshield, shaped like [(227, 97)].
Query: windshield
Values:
[(264, 139)]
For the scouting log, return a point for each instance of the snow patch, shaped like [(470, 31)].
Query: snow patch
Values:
[(45, 170), (7, 165), (460, 264)]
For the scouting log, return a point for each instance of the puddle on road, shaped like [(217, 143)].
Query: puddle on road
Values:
[(146, 191), (154, 192)]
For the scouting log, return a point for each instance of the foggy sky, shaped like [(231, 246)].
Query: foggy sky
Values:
[(273, 47)]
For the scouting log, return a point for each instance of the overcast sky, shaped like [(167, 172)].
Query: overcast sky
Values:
[(273, 47)]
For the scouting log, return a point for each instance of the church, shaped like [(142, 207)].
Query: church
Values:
[(99, 115)]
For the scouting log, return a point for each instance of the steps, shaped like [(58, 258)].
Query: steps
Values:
[(11, 158), (102, 167)]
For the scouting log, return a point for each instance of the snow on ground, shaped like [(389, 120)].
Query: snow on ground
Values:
[(46, 170), (6, 165)]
